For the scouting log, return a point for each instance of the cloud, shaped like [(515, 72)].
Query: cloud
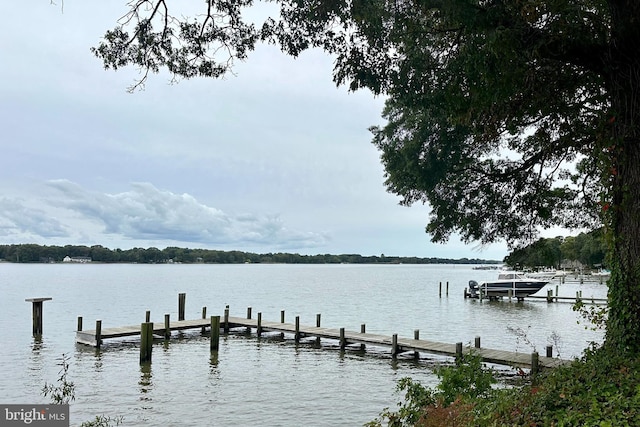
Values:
[(146, 213), (17, 217)]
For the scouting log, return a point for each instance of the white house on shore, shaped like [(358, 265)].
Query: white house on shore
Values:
[(78, 259)]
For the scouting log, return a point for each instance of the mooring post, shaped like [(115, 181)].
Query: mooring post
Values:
[(181, 304), (343, 340), (215, 333), (204, 316), (458, 352), (534, 363), (477, 342), (318, 320), (36, 311), (297, 335), (281, 316), (147, 316), (226, 320), (549, 295), (79, 329), (447, 288), (440, 291), (98, 333), (248, 317), (549, 351), (394, 345), (146, 341), (167, 326), (416, 336), (259, 328)]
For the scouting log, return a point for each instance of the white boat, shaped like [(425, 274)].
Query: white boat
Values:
[(602, 273), (509, 284)]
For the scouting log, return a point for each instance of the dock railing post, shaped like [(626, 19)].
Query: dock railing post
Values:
[(215, 333), (181, 304), (98, 333), (146, 341)]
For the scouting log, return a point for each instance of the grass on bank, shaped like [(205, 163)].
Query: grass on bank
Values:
[(601, 389)]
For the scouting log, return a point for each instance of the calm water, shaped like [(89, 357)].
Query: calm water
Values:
[(269, 382)]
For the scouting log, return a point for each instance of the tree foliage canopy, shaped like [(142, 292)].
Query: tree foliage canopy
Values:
[(505, 116)]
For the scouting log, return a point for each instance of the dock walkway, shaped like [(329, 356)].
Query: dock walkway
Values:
[(345, 338)]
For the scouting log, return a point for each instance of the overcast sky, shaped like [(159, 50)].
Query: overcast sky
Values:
[(273, 159)]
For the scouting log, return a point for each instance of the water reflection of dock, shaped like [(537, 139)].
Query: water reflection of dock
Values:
[(347, 340)]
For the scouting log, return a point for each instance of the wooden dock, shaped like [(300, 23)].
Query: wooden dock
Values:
[(344, 338)]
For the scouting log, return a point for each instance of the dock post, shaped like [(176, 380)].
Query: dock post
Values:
[(204, 316), (79, 329), (297, 335), (458, 352), (259, 328), (343, 340), (147, 316), (215, 333), (249, 309), (549, 295), (226, 320), (181, 303), (477, 342), (36, 311), (534, 363), (281, 316), (440, 291), (167, 326), (98, 333), (416, 336), (549, 351), (363, 330), (146, 341), (447, 294), (394, 345), (317, 326)]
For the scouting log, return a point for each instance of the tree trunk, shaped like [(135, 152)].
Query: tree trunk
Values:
[(623, 325)]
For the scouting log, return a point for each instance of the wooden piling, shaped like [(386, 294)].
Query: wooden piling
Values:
[(215, 333), (394, 345), (79, 329), (281, 316), (226, 320), (317, 326), (535, 358), (477, 342), (98, 333), (440, 291), (146, 341), (181, 304), (447, 294), (458, 352), (297, 333), (204, 316), (549, 295), (549, 351), (416, 336), (259, 328), (36, 314), (343, 340), (147, 316), (249, 317), (363, 330), (167, 326)]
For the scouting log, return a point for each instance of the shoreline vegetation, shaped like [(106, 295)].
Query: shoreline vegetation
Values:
[(33, 253)]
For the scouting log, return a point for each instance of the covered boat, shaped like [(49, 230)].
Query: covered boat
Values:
[(509, 284)]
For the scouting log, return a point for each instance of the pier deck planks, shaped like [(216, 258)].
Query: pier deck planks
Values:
[(403, 344)]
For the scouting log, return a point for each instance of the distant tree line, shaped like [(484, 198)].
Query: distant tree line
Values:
[(587, 249), (32, 253)]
